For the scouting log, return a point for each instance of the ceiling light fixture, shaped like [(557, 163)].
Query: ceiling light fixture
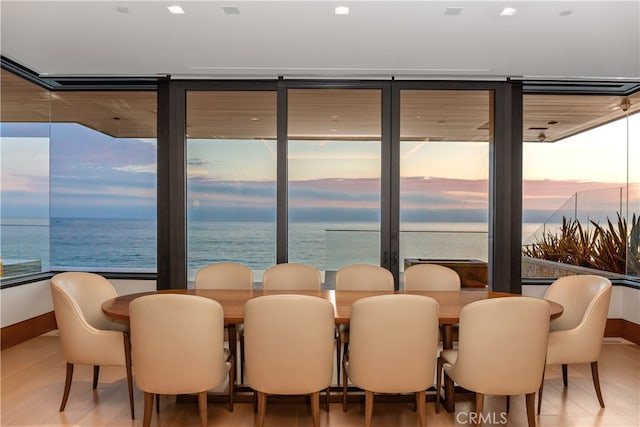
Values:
[(565, 12), (342, 10), (231, 10), (175, 10), (122, 9), (508, 11), (453, 11)]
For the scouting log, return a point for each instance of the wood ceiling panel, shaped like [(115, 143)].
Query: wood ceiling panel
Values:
[(352, 114)]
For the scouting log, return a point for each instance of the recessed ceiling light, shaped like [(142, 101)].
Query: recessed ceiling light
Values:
[(565, 12), (453, 11), (122, 9), (231, 10), (508, 11), (342, 10), (176, 10)]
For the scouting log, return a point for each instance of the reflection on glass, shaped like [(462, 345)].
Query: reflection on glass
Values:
[(231, 179), (444, 166), (334, 178), (580, 190)]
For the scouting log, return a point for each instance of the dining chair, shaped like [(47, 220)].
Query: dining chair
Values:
[(291, 276), (289, 346), (88, 336), (358, 277), (178, 348), (227, 275), (430, 277), (501, 350), (393, 345), (576, 336)]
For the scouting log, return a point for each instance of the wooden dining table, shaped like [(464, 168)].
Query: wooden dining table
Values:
[(232, 302)]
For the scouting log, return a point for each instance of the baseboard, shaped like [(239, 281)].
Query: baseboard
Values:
[(623, 328), (27, 329)]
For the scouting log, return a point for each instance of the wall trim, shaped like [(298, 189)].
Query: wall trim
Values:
[(624, 329), (27, 329)]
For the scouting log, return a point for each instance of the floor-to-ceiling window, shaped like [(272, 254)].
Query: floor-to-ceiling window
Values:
[(444, 180), (231, 179), (581, 185), (334, 169)]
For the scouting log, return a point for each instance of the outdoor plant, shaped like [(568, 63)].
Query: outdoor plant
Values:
[(613, 247)]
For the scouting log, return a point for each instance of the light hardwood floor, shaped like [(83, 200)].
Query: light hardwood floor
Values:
[(33, 377)]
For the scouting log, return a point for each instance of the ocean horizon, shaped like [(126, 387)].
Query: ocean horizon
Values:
[(130, 244)]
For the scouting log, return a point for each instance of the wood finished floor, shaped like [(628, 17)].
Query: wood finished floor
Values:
[(33, 377)]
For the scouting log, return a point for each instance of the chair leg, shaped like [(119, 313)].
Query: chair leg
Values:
[(157, 403), (368, 408), (262, 407), (531, 417), (438, 383), (96, 374), (67, 386), (202, 407), (564, 375), (327, 398), (148, 408), (345, 382), (540, 392), (596, 382), (508, 404), (338, 354), (242, 358), (128, 368), (315, 408), (421, 404), (232, 382), (479, 406)]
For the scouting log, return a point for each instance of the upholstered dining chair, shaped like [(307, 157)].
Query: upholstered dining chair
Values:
[(224, 275), (358, 277), (576, 336), (291, 276), (227, 275), (177, 347), (289, 346), (394, 340), (501, 350), (430, 277), (89, 337)]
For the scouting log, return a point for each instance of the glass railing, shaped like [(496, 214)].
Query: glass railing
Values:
[(24, 245), (593, 231)]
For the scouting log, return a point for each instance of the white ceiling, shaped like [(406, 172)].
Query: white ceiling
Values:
[(379, 39)]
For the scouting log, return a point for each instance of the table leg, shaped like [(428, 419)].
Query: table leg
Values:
[(233, 343), (447, 344)]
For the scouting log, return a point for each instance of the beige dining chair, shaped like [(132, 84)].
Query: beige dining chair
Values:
[(393, 345), (430, 277), (227, 275), (291, 276), (178, 348), (576, 336), (501, 350), (289, 346), (358, 277), (89, 337)]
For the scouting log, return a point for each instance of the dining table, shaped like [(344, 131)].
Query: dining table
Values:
[(232, 302)]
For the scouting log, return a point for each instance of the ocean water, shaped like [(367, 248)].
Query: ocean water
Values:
[(130, 245)]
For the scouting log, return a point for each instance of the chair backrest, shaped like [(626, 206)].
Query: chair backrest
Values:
[(289, 343), (88, 337), (430, 277), (364, 277), (291, 276), (393, 341), (224, 275), (88, 291), (583, 298), (502, 345), (177, 343)]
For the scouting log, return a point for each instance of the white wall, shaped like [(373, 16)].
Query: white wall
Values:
[(33, 299)]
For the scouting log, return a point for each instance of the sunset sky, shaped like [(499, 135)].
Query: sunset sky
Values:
[(94, 175)]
